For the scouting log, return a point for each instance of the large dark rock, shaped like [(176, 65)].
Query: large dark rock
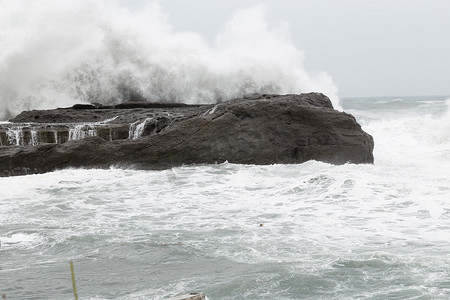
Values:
[(261, 129)]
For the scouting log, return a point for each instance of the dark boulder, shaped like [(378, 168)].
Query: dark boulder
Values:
[(260, 129)]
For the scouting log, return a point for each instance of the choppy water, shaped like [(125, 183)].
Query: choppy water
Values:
[(328, 232)]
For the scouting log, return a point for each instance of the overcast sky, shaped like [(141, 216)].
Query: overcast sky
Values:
[(369, 47)]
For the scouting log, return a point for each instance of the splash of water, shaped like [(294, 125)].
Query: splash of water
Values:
[(57, 53)]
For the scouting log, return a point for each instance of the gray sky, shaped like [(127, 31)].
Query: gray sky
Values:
[(369, 47)]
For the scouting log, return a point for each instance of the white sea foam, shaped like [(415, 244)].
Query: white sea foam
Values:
[(415, 138), (349, 231), (57, 53), (343, 226), (19, 241)]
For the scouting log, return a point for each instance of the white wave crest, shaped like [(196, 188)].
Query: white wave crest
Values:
[(413, 139), (57, 53)]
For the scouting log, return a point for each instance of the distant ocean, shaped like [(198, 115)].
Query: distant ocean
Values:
[(306, 231)]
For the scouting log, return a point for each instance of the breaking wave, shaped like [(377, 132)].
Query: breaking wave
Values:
[(57, 53)]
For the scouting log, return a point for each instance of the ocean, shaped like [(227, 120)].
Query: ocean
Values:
[(305, 231)]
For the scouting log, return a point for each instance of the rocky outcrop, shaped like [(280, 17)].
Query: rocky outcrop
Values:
[(260, 129)]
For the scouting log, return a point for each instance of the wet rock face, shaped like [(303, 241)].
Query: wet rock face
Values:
[(261, 129)]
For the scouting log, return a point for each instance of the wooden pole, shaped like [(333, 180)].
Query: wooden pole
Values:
[(73, 281)]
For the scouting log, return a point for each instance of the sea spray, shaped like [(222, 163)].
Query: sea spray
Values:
[(57, 53)]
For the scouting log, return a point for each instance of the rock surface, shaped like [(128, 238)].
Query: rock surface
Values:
[(260, 129)]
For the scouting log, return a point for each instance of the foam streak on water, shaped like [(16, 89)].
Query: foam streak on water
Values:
[(328, 232)]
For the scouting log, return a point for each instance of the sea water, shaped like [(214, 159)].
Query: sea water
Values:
[(304, 231)]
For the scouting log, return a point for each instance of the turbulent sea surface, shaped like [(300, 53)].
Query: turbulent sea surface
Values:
[(307, 231)]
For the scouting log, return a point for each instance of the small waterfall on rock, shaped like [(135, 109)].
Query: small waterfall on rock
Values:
[(34, 137), (21, 135), (82, 131), (15, 136), (56, 137), (137, 129), (32, 134)]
